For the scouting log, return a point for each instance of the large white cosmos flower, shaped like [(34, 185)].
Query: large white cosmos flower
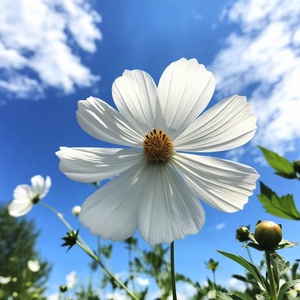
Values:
[(159, 175), (25, 196)]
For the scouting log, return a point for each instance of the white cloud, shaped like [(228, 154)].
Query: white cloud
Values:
[(220, 226), (116, 296), (142, 281), (37, 47), (55, 296), (264, 58), (234, 284), (71, 279), (184, 291)]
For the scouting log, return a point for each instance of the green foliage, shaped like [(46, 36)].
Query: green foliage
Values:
[(283, 207), (282, 166), (251, 268), (17, 246)]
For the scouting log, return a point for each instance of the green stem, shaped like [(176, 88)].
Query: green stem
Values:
[(173, 272), (80, 242), (271, 276), (214, 279), (249, 254)]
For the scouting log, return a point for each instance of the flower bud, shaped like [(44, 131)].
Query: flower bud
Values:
[(76, 210), (242, 234), (268, 234), (63, 288)]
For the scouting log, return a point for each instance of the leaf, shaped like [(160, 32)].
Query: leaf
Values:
[(239, 277), (283, 167), (240, 295), (280, 266), (223, 296), (285, 287), (260, 297), (251, 268), (294, 270), (283, 207)]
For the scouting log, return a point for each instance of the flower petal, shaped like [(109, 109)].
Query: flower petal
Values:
[(184, 90), (112, 211), (224, 185), (134, 94), (95, 164), (169, 209), (228, 124), (40, 186), (24, 191), (19, 207), (103, 122)]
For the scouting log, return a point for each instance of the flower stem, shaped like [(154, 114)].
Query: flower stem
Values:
[(271, 276), (80, 242), (173, 272)]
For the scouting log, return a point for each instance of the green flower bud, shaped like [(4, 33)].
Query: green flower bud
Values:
[(242, 234), (63, 288), (268, 234)]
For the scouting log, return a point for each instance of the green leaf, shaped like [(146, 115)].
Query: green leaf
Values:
[(283, 207), (260, 297), (294, 270), (243, 296), (283, 167), (285, 287), (280, 266), (251, 268)]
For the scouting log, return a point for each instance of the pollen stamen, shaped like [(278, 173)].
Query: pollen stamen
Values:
[(158, 147)]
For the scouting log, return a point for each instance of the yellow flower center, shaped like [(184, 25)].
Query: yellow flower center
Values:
[(158, 147)]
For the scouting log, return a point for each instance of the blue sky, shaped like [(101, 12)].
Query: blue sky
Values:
[(53, 54)]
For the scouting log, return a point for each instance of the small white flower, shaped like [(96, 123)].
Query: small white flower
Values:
[(25, 196), (5, 280), (76, 210), (159, 175), (33, 265)]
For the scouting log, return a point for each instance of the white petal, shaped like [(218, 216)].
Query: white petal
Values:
[(169, 209), (228, 124), (224, 185), (112, 211), (24, 191), (40, 186), (19, 207), (95, 164), (134, 94), (103, 122), (184, 90)]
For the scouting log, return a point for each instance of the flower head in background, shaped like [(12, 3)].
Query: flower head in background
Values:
[(25, 196), (5, 280), (76, 210), (159, 174), (33, 265)]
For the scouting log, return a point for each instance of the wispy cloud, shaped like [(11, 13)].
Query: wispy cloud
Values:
[(263, 58), (220, 226), (39, 46)]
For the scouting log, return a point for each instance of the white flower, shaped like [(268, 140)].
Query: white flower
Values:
[(5, 280), (158, 176), (25, 196), (33, 265), (76, 210)]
